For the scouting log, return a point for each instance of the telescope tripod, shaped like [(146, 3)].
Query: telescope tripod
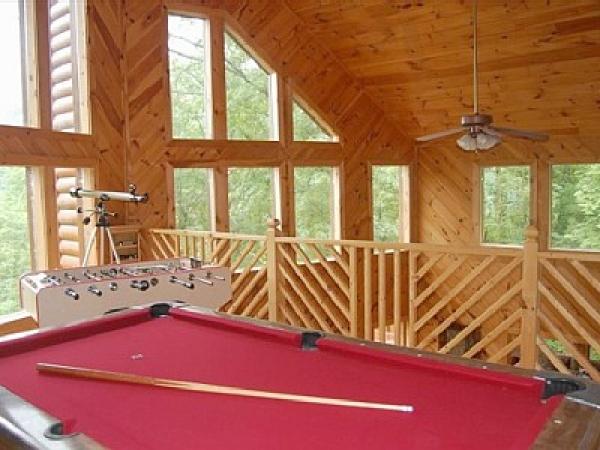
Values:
[(103, 227)]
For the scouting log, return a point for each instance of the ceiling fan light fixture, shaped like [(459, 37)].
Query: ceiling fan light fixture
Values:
[(481, 141)]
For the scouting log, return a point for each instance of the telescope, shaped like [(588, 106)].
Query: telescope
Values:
[(129, 196)]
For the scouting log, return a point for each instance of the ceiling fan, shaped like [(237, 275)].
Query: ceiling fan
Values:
[(481, 133)]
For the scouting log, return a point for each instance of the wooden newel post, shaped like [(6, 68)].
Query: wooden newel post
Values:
[(529, 328), (272, 283)]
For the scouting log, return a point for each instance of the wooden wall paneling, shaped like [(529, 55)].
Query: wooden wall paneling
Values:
[(30, 146), (477, 205), (147, 106), (105, 55), (446, 182), (277, 35)]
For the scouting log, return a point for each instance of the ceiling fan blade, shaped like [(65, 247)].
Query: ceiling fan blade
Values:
[(492, 131), (533, 135), (441, 134)]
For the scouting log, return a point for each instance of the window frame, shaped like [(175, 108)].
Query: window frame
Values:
[(549, 187), (276, 206), (209, 88), (335, 202), (29, 29), (171, 201), (478, 193), (273, 86), (404, 224), (298, 100)]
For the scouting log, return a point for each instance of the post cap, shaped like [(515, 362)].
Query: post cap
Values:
[(272, 222), (531, 233)]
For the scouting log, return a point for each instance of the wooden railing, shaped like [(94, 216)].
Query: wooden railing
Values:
[(504, 305)]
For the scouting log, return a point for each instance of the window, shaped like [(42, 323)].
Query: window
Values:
[(189, 77), (15, 248), (307, 127), (192, 198), (17, 78), (390, 192), (251, 95), (505, 204), (68, 66), (575, 206), (316, 202), (251, 199)]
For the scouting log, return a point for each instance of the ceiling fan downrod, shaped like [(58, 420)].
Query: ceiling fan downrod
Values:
[(475, 75)]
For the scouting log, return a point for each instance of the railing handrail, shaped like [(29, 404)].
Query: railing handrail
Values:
[(207, 234), (348, 286), (378, 245), (583, 255)]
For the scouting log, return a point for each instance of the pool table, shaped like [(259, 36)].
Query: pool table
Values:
[(456, 404)]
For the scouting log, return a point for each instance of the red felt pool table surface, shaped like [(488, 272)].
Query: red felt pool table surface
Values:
[(455, 407)]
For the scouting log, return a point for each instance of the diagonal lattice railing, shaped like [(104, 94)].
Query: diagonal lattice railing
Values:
[(468, 304), (245, 255), (569, 289), (506, 305)]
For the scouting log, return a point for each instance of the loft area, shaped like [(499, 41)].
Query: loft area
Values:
[(281, 141), (243, 132)]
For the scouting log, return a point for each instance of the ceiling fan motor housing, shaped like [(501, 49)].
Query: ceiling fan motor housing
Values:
[(475, 120)]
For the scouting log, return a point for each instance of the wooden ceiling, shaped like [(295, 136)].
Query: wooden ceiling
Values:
[(539, 59)]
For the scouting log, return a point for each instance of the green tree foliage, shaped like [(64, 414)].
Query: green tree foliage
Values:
[(306, 128), (187, 66), (249, 114), (192, 198), (387, 202), (251, 199), (576, 206), (505, 204), (313, 189), (15, 257)]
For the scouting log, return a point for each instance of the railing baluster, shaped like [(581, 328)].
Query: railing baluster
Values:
[(368, 294), (398, 324), (353, 292), (381, 297)]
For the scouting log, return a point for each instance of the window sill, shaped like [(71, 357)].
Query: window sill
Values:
[(16, 322)]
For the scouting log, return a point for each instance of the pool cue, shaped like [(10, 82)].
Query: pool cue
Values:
[(120, 377)]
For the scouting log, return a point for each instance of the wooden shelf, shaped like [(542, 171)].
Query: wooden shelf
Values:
[(126, 247), (127, 233)]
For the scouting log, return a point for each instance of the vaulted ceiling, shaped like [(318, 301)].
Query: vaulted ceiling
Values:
[(539, 59)]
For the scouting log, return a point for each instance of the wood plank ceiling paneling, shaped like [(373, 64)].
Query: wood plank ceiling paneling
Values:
[(539, 59)]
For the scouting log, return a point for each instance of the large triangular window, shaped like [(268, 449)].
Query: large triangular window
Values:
[(307, 127), (251, 94)]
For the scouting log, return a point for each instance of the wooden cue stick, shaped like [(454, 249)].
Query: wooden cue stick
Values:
[(120, 377)]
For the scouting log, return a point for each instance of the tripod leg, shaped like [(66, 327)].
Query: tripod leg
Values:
[(101, 257), (88, 247), (111, 243)]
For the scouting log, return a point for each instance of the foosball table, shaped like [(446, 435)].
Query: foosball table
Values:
[(58, 297)]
